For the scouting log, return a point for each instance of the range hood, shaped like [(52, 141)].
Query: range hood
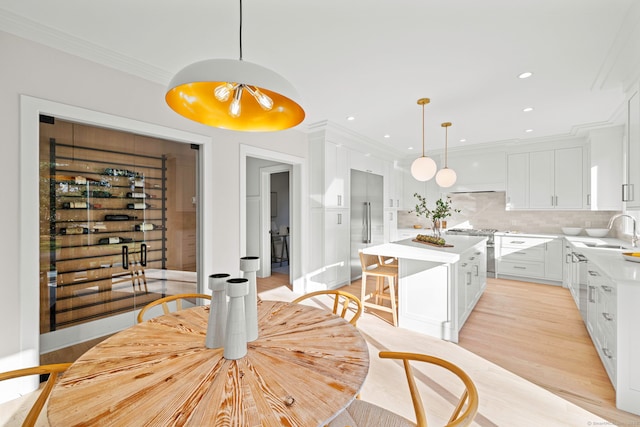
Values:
[(477, 188)]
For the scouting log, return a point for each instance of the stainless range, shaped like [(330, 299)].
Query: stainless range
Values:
[(491, 252)]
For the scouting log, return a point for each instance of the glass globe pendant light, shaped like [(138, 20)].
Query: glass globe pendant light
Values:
[(235, 95), (423, 168), (446, 177)]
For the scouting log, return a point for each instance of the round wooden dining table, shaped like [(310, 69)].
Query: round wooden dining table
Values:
[(305, 367)]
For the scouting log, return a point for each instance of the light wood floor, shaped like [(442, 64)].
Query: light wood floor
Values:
[(532, 330), (536, 332)]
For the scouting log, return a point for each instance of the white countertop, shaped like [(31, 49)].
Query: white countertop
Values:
[(409, 249), (609, 260)]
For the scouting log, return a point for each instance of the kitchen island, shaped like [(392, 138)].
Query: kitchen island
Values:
[(438, 286)]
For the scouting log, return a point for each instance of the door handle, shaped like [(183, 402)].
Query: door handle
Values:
[(143, 254), (369, 222), (125, 257)]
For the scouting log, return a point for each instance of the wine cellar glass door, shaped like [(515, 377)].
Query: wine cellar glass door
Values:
[(108, 210)]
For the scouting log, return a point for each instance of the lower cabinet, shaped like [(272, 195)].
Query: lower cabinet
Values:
[(601, 320), (530, 257), (330, 253), (472, 281)]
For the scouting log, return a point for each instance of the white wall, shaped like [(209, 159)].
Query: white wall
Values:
[(41, 72)]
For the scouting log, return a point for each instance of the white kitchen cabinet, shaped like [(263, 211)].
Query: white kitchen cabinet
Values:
[(556, 179), (478, 170), (553, 259), (602, 317), (537, 258), (366, 162), (517, 196), (336, 175), (337, 247), (631, 188), (546, 179), (472, 281), (605, 176)]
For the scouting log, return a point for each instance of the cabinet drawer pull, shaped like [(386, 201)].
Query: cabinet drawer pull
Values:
[(517, 242), (593, 273), (607, 352), (471, 258), (468, 278), (607, 289), (476, 270), (519, 267), (339, 218), (608, 316), (339, 200), (591, 294)]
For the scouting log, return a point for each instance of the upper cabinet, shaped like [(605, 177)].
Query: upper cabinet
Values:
[(336, 175), (631, 187), (605, 176), (547, 179)]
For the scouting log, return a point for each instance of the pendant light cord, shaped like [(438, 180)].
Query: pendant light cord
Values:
[(422, 130), (446, 143), (240, 30)]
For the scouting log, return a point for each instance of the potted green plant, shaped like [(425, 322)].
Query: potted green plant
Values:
[(443, 210)]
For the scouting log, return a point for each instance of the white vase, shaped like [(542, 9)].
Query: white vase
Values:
[(249, 265), (217, 310), (235, 339)]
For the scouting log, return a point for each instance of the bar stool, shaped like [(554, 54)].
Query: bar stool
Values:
[(372, 266)]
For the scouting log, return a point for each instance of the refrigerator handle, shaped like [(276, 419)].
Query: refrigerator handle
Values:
[(369, 222)]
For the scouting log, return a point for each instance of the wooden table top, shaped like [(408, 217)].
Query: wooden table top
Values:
[(305, 367)]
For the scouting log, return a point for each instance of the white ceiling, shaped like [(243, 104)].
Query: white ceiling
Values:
[(373, 59)]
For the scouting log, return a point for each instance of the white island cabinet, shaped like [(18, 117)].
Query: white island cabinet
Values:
[(438, 287)]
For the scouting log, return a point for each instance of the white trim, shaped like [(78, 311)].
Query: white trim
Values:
[(30, 110), (299, 206)]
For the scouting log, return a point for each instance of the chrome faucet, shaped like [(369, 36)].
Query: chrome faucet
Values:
[(634, 236)]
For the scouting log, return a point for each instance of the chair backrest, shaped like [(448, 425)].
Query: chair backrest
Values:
[(178, 298), (468, 400), (340, 299), (368, 261), (54, 370), (388, 261)]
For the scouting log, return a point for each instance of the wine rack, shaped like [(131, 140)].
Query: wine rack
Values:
[(107, 225)]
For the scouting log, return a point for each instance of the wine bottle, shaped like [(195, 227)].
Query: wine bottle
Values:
[(138, 182), (145, 226), (137, 195), (118, 217), (76, 205), (112, 240), (138, 206), (74, 230)]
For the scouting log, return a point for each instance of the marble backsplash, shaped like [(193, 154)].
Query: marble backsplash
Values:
[(487, 210)]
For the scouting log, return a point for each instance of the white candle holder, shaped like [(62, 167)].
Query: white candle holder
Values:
[(235, 340), (249, 265), (217, 310)]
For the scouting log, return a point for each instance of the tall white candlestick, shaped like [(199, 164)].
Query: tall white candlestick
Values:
[(217, 311), (249, 265)]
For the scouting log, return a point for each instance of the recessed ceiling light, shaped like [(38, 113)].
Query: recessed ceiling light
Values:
[(525, 75), (387, 136), (527, 109), (351, 118), (463, 140), (410, 148), (528, 130)]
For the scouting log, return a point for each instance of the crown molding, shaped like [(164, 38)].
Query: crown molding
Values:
[(36, 32)]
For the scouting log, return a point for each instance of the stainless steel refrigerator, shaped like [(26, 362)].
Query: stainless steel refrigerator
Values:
[(367, 211)]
